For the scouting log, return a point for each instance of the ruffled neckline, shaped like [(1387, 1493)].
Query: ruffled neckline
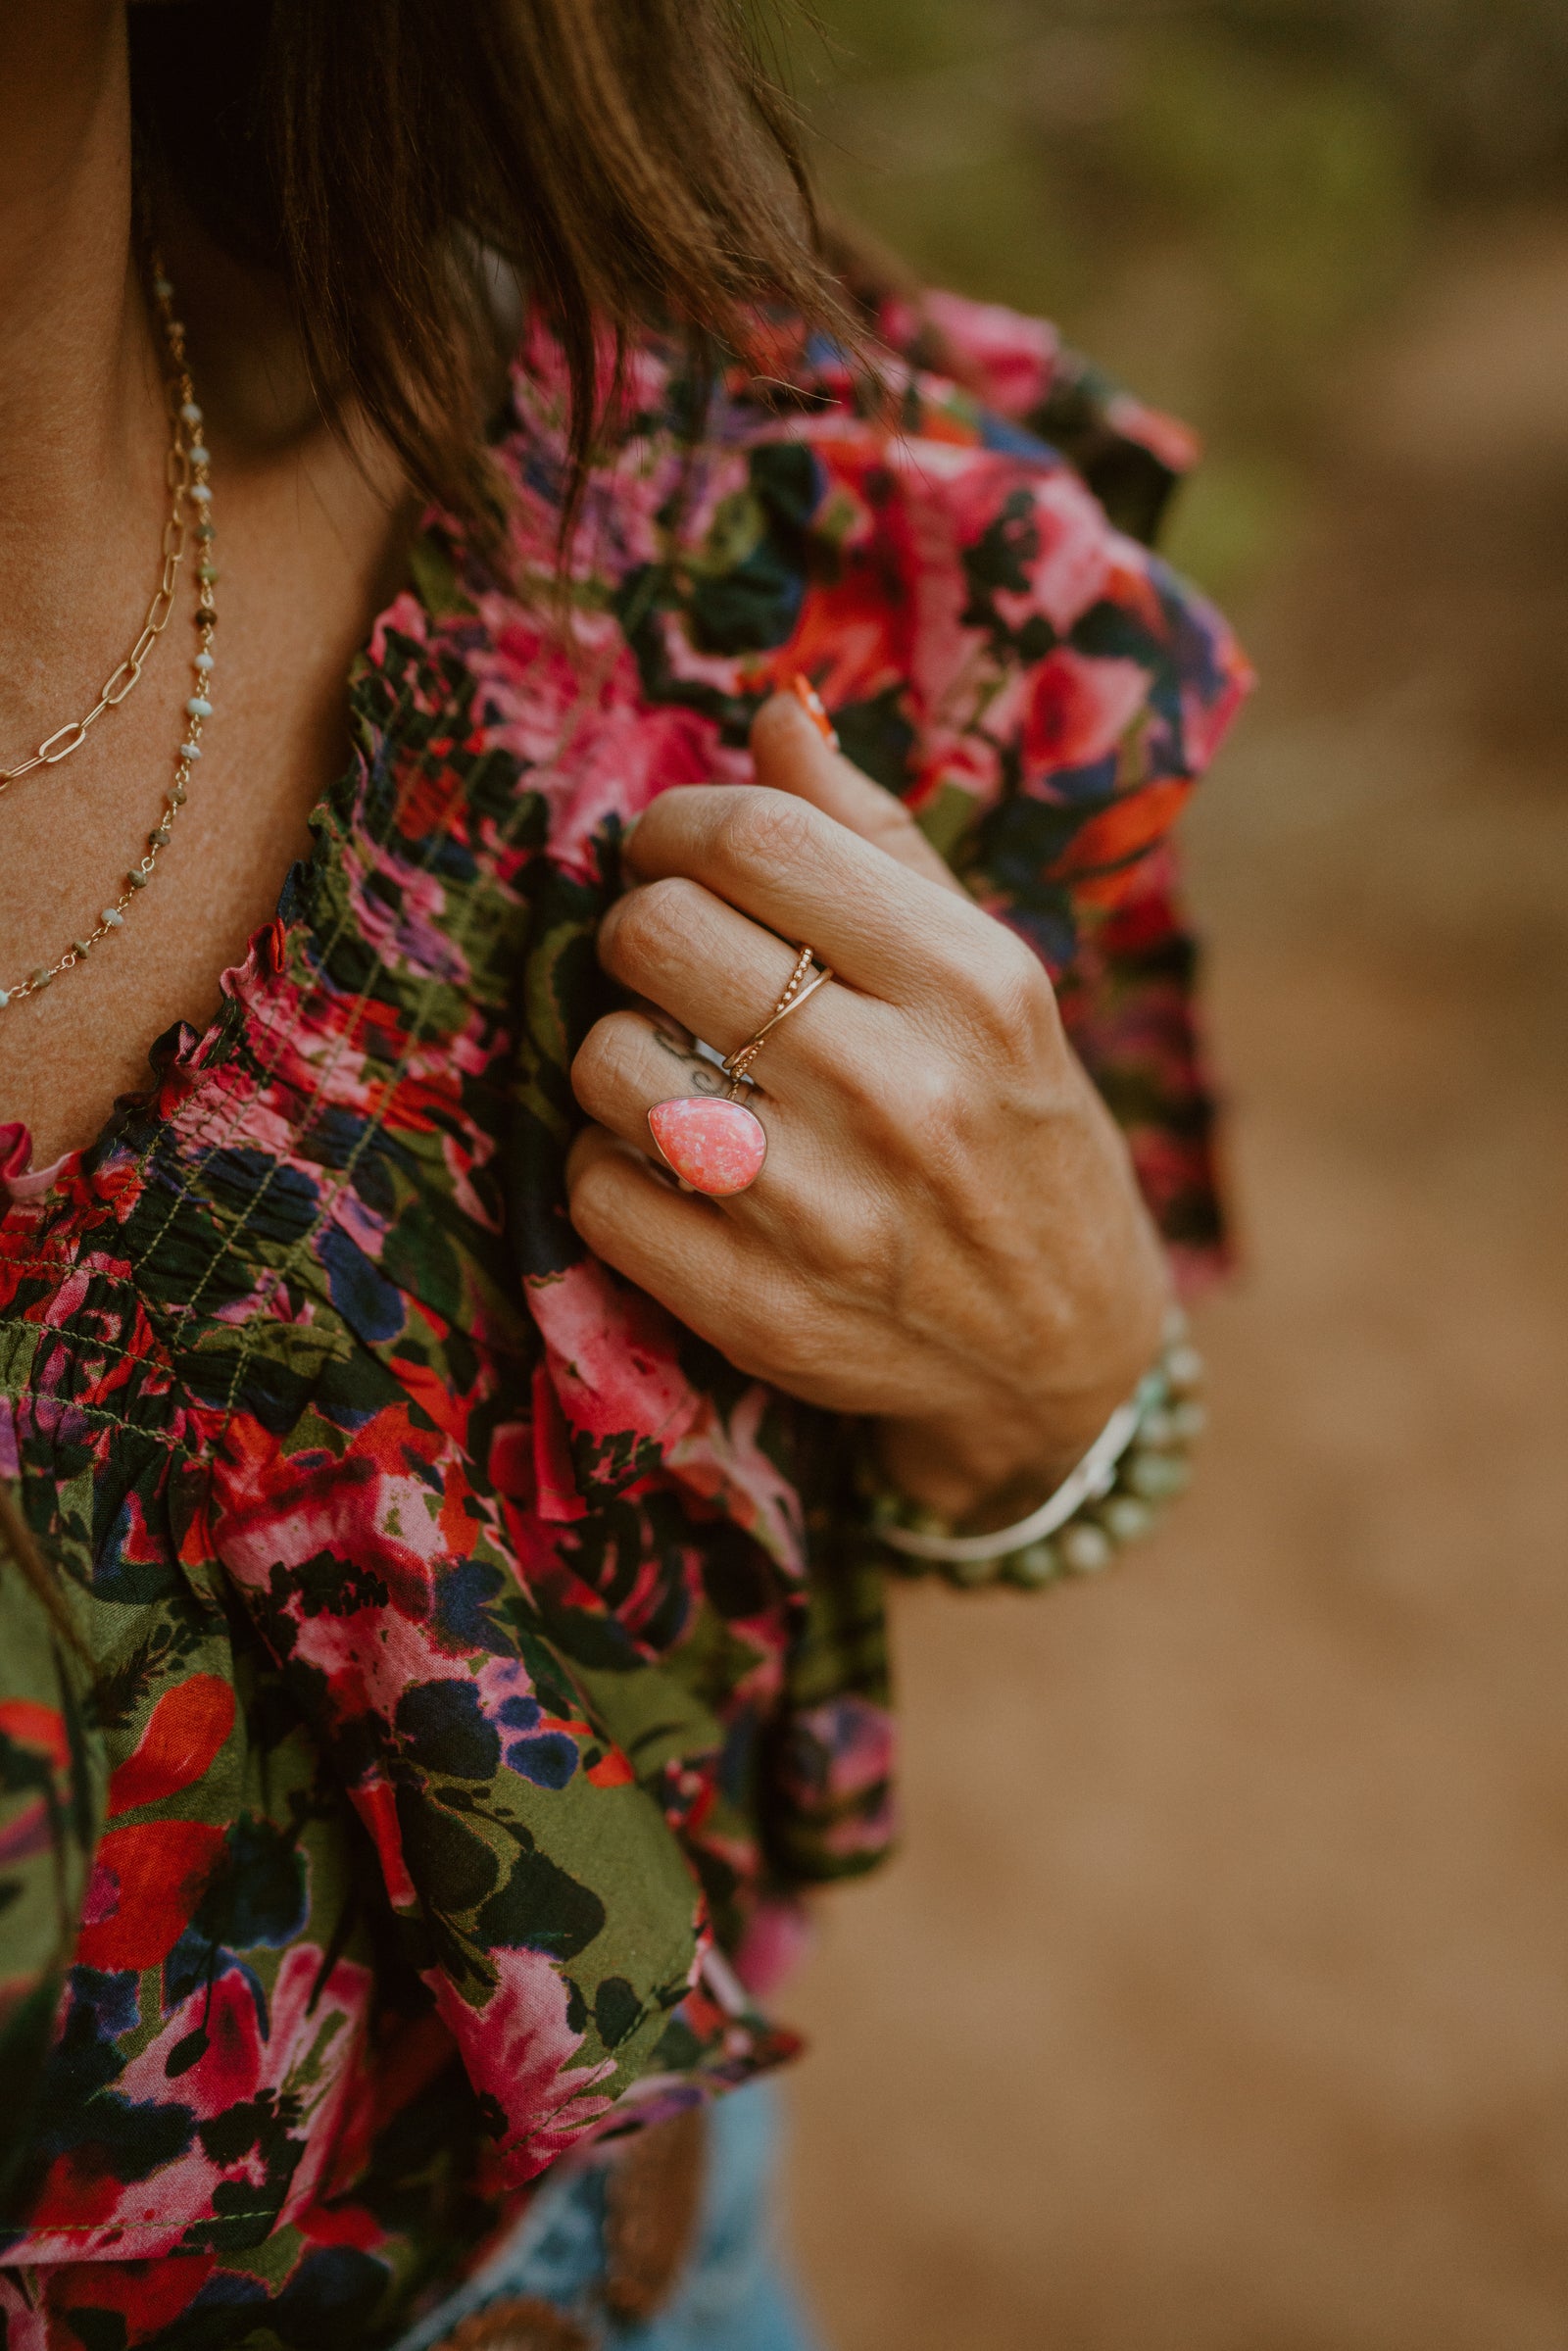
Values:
[(22, 1181)]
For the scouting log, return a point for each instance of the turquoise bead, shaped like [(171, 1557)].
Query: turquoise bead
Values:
[(1038, 1564), (1184, 1369), (972, 1573), (1155, 1477), (1126, 1517), (1086, 1550)]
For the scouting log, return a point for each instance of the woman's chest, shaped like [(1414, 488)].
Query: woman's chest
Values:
[(300, 565)]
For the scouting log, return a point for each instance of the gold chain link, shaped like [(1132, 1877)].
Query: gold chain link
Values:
[(72, 736), (185, 468)]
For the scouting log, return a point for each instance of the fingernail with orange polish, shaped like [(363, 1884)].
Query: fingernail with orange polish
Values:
[(811, 702)]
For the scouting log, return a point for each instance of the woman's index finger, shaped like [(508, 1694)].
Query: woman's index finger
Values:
[(885, 929), (793, 755)]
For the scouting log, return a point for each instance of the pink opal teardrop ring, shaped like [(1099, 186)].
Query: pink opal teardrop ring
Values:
[(717, 1146)]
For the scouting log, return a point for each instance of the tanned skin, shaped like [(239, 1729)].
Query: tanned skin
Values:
[(947, 1236)]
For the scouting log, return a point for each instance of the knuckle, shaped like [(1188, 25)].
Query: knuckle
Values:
[(898, 1106), (914, 1121), (861, 1244), (665, 826), (605, 1060), (934, 1107), (860, 1082), (760, 827), (1010, 999), (650, 922)]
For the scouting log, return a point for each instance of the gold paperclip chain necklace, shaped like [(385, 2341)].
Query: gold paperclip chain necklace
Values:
[(185, 466)]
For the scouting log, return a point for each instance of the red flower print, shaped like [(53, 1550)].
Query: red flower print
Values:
[(1080, 709), (145, 1886), (31, 1724), (1106, 857), (456, 1600), (184, 1731), (149, 2296)]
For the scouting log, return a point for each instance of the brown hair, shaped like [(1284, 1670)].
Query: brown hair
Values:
[(633, 160)]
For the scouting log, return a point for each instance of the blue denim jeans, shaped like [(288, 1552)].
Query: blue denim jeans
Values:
[(732, 2296)]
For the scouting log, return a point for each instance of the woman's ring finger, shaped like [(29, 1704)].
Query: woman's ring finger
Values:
[(719, 1147), (648, 1085)]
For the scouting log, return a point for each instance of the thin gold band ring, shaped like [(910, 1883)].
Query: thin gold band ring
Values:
[(718, 1147), (802, 984)]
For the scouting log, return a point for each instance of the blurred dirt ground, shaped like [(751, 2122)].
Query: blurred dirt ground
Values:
[(1220, 2000)]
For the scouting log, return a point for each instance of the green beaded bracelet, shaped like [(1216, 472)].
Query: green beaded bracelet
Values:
[(1141, 1460)]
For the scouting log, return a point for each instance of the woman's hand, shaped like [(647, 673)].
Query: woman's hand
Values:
[(946, 1235)]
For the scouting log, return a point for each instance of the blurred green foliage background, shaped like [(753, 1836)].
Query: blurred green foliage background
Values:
[(1212, 196)]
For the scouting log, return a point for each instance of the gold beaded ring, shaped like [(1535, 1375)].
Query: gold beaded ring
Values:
[(718, 1146)]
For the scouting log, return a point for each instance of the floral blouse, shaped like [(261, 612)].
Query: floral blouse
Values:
[(457, 1670)]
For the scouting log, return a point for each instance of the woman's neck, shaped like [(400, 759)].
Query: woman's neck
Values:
[(81, 427)]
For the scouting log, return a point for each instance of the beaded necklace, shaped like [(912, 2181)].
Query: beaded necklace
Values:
[(185, 464)]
